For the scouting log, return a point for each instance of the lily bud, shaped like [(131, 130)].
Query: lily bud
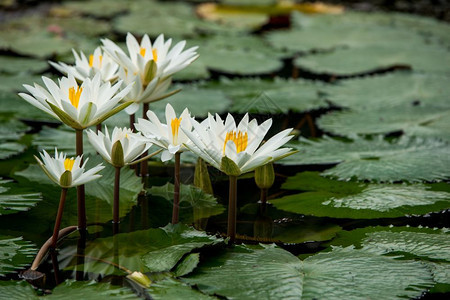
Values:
[(201, 177), (117, 159), (265, 176), (66, 179), (140, 278)]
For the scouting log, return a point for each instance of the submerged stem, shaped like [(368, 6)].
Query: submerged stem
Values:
[(62, 200), (80, 189), (116, 200), (176, 189), (232, 205)]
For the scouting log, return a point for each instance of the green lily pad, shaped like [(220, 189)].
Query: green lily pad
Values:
[(12, 104), (271, 96), (365, 59), (99, 8), (344, 273), (11, 131), (393, 89), (63, 138), (155, 250), (187, 265), (14, 83), (388, 120), (18, 290), (174, 289), (328, 198), (14, 199), (201, 204), (12, 64), (15, 254), (407, 159)]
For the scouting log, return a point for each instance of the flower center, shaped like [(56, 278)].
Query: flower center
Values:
[(91, 60), (240, 140), (74, 96), (142, 51), (175, 124), (155, 54), (68, 164)]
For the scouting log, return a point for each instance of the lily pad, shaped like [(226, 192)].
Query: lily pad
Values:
[(328, 198), (11, 131), (14, 83), (174, 289), (12, 104), (393, 89), (407, 159), (360, 60), (12, 64), (271, 96), (15, 254), (18, 290), (155, 250), (99, 8), (388, 120), (344, 273), (15, 200), (201, 204)]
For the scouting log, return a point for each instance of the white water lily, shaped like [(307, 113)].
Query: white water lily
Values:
[(237, 149), (168, 136), (150, 65), (67, 172), (77, 106), (121, 148), (98, 62)]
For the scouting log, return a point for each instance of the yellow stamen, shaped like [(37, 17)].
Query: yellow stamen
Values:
[(142, 51), (175, 124), (68, 164), (91, 60), (240, 140), (155, 55), (74, 96)]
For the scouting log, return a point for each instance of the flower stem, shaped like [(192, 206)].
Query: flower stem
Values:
[(132, 121), (176, 189), (80, 189), (99, 127), (62, 200), (144, 163), (263, 196), (232, 205), (116, 201)]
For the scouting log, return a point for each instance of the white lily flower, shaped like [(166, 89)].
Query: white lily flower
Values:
[(98, 62), (67, 172), (167, 136), (122, 148), (77, 106), (215, 140), (150, 65)]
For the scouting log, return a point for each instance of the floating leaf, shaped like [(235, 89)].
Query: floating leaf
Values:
[(174, 289), (187, 265), (63, 138), (14, 83), (98, 8), (12, 104), (155, 250), (243, 273), (386, 120), (343, 62), (274, 96), (15, 254), (11, 130), (405, 159), (328, 198), (15, 200), (393, 89), (203, 205), (344, 273), (11, 64)]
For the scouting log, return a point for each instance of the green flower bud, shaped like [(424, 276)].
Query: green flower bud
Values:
[(140, 278), (117, 155), (66, 179), (265, 176)]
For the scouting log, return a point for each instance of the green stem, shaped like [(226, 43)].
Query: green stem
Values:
[(62, 200), (232, 206), (116, 201), (80, 189), (176, 189)]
